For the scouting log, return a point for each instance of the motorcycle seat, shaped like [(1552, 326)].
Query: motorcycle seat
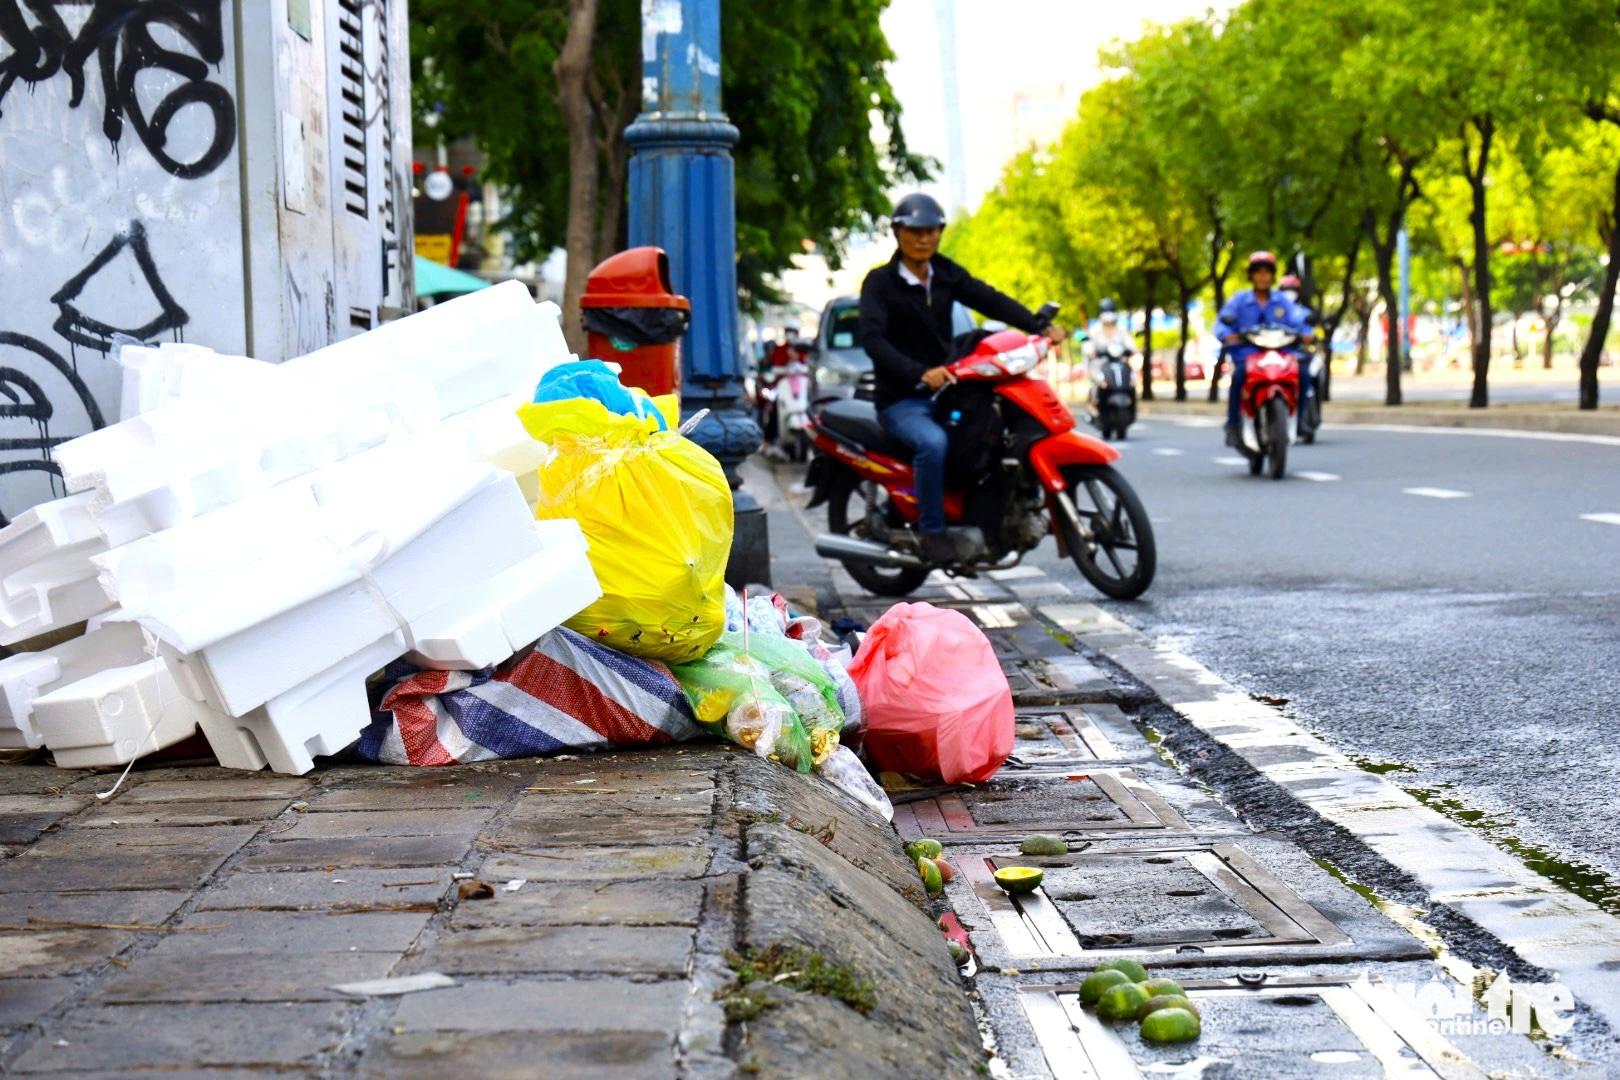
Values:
[(857, 420)]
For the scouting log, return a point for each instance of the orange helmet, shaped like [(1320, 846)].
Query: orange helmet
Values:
[(1262, 258)]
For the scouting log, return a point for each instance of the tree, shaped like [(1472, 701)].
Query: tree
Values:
[(537, 82)]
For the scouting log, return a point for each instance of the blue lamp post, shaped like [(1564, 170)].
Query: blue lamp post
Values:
[(681, 200)]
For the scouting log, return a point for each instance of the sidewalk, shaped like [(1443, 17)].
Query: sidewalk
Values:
[(1508, 416), (693, 911)]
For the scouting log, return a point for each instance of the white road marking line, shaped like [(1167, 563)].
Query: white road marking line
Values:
[(1167, 451), (1319, 477), (1604, 519), (1229, 461), (1435, 493), (1015, 573), (1196, 421)]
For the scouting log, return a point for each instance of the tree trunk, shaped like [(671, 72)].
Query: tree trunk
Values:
[(1147, 337), (1598, 338), (1552, 322), (1330, 325), (572, 69), (1478, 171), (616, 173), (1384, 255), (1363, 336), (1181, 348)]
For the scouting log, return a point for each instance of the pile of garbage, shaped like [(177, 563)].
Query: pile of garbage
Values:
[(532, 555)]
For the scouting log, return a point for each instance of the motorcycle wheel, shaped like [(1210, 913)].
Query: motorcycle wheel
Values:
[(1313, 419), (1277, 434), (877, 580), (1121, 557)]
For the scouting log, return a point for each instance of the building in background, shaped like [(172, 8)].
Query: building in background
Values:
[(233, 173)]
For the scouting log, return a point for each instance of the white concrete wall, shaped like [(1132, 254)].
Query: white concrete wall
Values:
[(120, 209)]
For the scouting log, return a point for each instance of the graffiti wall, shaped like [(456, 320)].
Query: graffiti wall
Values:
[(120, 209)]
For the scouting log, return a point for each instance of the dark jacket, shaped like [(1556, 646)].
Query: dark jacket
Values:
[(906, 329)]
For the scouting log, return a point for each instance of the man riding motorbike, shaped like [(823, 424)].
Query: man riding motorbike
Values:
[(1247, 309), (906, 330), (1310, 368), (1108, 329)]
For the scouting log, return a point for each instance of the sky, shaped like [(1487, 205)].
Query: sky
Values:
[(1021, 68)]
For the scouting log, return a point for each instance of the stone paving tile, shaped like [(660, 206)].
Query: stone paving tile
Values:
[(150, 842), (519, 1055), (607, 950), (593, 829), (25, 828), (195, 812), (328, 888), (39, 779), (121, 1038), (583, 1005), (373, 851), (243, 976), (629, 903), (58, 952), (22, 1001), (145, 907), (420, 789), (31, 873), (361, 825), (213, 785), (599, 864), (274, 931)]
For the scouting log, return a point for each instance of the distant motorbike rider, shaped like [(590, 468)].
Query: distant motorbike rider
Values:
[(906, 330), (1109, 329), (1248, 309)]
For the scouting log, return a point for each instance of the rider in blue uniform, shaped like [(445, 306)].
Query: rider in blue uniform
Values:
[(1257, 306)]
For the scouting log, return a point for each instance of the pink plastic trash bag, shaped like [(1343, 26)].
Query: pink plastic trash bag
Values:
[(937, 703)]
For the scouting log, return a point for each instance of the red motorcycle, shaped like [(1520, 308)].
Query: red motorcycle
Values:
[(1019, 471), (1271, 396)]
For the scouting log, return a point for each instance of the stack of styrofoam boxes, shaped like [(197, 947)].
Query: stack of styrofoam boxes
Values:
[(280, 532)]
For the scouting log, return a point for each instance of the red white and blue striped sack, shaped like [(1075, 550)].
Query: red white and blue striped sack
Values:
[(564, 692)]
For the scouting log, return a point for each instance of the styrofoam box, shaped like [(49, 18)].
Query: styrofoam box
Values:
[(26, 677), (116, 715)]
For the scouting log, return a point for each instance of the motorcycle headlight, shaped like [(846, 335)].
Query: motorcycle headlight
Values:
[(1019, 361)]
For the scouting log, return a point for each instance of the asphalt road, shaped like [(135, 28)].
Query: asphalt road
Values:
[(1432, 602)]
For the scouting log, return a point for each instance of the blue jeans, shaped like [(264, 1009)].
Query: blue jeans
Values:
[(1240, 363), (911, 421)]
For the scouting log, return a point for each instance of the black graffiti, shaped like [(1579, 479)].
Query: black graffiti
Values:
[(83, 328), (118, 33), (24, 398)]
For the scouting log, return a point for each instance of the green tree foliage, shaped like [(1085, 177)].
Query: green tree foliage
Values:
[(1323, 130), (805, 84)]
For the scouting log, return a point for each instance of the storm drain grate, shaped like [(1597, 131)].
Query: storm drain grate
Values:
[(1090, 803), (1058, 680), (1061, 738), (1184, 902), (1304, 1023)]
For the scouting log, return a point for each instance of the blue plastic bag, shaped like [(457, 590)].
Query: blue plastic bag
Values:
[(595, 380)]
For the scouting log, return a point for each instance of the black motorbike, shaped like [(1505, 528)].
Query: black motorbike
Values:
[(1113, 391)]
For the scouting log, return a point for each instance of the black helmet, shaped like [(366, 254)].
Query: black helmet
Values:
[(1106, 307), (918, 211)]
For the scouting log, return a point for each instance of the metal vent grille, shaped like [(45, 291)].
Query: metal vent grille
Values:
[(361, 318), (351, 41)]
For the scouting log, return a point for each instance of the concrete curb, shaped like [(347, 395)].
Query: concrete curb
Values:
[(1542, 924)]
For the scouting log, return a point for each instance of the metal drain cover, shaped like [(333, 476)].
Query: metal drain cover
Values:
[(1187, 904), (1291, 1026), (1066, 737), (1091, 803)]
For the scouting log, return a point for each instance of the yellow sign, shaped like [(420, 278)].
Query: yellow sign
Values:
[(434, 248)]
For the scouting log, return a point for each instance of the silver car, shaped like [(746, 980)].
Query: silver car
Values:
[(839, 361)]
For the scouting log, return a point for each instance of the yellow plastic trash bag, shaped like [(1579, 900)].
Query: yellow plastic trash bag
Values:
[(656, 510)]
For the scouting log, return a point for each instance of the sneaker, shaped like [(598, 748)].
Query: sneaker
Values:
[(938, 548)]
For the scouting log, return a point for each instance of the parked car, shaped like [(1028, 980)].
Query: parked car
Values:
[(839, 361)]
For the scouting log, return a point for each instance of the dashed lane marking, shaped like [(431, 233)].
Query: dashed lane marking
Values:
[(1435, 493), (1602, 519), (1229, 461), (1167, 451), (1319, 477)]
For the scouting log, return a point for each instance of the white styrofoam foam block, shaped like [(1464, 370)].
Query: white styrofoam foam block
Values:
[(116, 715), (493, 619), (320, 716), (26, 677), (44, 566)]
